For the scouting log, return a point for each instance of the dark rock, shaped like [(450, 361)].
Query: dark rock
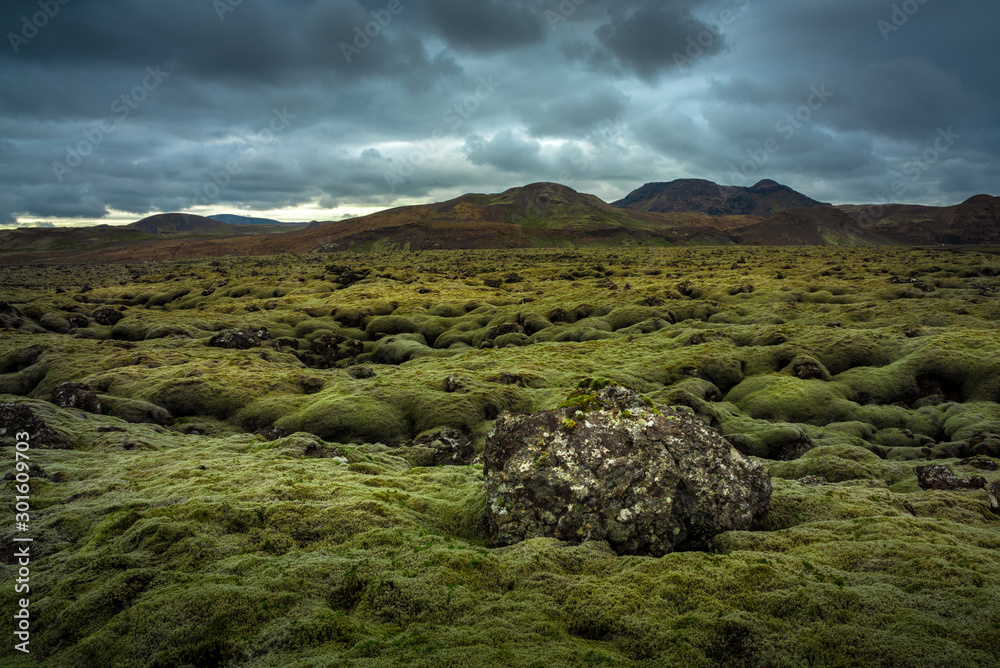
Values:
[(813, 481), (609, 466), (981, 463), (500, 330), (105, 315), (10, 317), (76, 320), (507, 378), (77, 395), (993, 494), (239, 339), (492, 282), (360, 372), (652, 301), (445, 447), (808, 371), (941, 477), (453, 383), (18, 360), (272, 433), (513, 277), (332, 347), (744, 289), (18, 418), (344, 275), (285, 343), (34, 470)]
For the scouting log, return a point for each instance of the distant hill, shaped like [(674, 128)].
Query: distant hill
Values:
[(975, 222), (233, 219), (814, 226), (531, 216), (764, 199), (175, 223)]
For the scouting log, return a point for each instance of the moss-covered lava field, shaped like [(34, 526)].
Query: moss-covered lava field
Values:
[(247, 495)]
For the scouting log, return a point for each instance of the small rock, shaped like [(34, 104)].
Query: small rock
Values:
[(453, 383), (271, 433), (507, 378), (105, 315), (941, 477), (500, 330), (981, 463), (445, 447), (813, 481), (10, 317), (76, 395), (77, 321), (239, 339), (808, 371), (360, 372), (492, 282)]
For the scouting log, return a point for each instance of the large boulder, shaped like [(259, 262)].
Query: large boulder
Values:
[(610, 466)]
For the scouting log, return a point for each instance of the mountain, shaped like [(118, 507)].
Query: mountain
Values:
[(233, 219), (765, 198), (175, 223), (815, 226), (536, 215), (974, 222)]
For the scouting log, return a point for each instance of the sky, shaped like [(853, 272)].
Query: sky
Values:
[(298, 110)]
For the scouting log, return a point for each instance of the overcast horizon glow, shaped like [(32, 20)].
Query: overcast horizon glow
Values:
[(112, 110)]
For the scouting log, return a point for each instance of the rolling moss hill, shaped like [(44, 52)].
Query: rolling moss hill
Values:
[(167, 533)]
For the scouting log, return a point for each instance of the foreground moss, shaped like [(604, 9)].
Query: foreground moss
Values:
[(185, 540)]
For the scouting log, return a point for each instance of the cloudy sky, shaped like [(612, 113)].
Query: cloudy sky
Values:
[(319, 109)]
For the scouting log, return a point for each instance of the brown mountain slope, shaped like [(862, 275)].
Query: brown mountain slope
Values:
[(822, 226), (765, 198), (175, 223), (974, 222)]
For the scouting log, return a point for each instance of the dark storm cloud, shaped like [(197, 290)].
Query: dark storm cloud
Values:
[(151, 105), (486, 25)]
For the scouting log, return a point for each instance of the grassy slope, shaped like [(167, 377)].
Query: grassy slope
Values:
[(266, 557)]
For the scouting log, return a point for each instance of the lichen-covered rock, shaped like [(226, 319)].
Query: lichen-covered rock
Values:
[(941, 477), (445, 447), (239, 339), (76, 395), (106, 315), (610, 466)]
